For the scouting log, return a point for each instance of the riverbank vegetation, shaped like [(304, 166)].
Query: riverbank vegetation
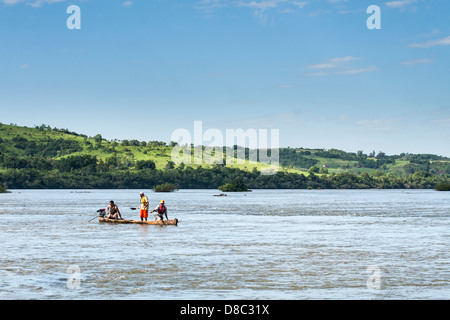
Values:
[(44, 157), (91, 177), (442, 186)]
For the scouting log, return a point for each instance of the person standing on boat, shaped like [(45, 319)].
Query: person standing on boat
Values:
[(144, 207), (160, 210), (112, 211)]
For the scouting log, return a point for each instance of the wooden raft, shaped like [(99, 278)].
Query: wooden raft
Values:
[(171, 222)]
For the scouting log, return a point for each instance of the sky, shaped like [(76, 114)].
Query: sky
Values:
[(311, 69)]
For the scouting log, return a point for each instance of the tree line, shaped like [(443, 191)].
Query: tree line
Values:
[(87, 172)]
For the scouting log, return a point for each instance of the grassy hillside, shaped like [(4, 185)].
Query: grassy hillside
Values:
[(43, 142), (46, 158), (337, 161), (52, 143)]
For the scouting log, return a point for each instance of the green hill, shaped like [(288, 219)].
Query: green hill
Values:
[(52, 143), (335, 161), (49, 157)]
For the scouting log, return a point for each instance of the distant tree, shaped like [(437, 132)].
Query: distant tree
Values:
[(77, 162), (98, 138), (237, 185), (360, 154), (323, 170), (314, 169), (20, 142), (166, 187), (421, 174), (381, 155), (442, 186), (169, 165), (145, 164), (134, 143), (377, 173)]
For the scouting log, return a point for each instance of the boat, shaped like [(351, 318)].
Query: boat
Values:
[(170, 222)]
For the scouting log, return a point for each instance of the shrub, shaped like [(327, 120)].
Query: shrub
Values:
[(166, 187), (237, 185), (443, 186)]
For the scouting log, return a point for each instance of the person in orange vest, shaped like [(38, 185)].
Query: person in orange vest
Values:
[(160, 210), (143, 214)]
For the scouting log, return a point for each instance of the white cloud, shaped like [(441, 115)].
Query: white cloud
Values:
[(318, 74), (39, 3), (209, 5), (430, 34), (432, 43), (414, 62), (338, 62), (259, 7), (379, 124), (300, 4), (271, 121), (443, 122), (32, 3), (441, 117), (399, 3), (284, 86), (127, 3), (10, 1), (214, 75), (338, 65), (358, 70)]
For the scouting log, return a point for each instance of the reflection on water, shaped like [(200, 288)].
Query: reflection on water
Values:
[(266, 244)]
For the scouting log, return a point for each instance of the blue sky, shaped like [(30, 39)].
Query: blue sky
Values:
[(312, 69)]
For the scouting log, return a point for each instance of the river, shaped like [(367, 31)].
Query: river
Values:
[(265, 244)]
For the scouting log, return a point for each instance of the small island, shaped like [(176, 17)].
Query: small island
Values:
[(442, 187), (237, 185), (3, 189), (166, 187)]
